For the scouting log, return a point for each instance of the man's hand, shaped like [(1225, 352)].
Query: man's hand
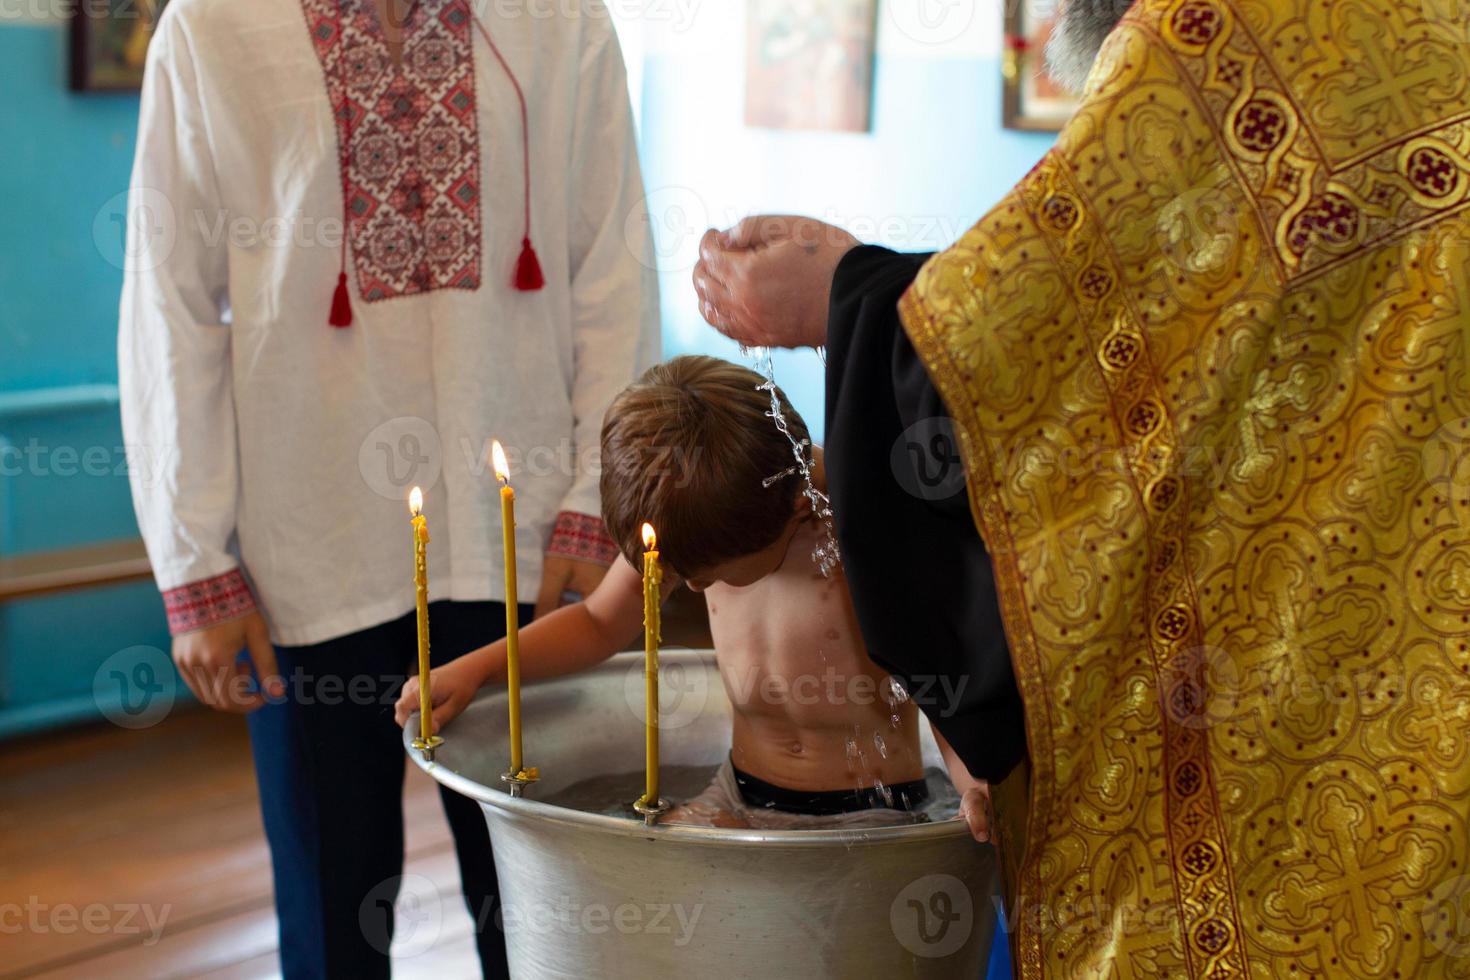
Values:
[(208, 661), (451, 689), (975, 808), (767, 282), (560, 575)]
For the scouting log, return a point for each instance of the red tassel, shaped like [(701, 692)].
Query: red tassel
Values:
[(528, 269), (341, 304)]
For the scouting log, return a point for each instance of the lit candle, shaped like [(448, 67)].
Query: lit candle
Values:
[(518, 774), (427, 739), (652, 583)]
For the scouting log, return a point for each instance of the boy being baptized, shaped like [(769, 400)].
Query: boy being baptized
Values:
[(818, 738)]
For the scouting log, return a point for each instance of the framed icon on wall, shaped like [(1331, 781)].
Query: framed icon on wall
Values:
[(1031, 100), (809, 64), (109, 43)]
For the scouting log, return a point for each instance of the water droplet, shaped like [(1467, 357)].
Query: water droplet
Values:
[(879, 744)]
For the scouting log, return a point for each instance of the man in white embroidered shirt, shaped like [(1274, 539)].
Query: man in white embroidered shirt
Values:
[(291, 382)]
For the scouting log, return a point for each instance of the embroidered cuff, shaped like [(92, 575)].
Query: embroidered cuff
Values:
[(582, 537), (208, 602)]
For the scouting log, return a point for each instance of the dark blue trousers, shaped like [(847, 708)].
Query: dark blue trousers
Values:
[(330, 765)]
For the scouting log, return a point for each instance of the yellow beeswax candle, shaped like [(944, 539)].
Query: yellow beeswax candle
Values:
[(512, 618), (426, 737), (652, 586)]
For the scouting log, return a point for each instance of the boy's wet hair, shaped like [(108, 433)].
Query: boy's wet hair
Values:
[(688, 448)]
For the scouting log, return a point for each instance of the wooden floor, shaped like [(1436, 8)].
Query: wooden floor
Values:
[(104, 830)]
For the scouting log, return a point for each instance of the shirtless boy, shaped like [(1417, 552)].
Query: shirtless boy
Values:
[(818, 738)]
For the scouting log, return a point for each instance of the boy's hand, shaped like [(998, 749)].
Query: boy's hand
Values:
[(451, 688), (975, 808)]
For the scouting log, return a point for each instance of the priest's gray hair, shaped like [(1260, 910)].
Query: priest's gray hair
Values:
[(1082, 27)]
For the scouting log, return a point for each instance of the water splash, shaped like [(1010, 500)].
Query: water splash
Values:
[(886, 793), (880, 745), (825, 554), (893, 694)]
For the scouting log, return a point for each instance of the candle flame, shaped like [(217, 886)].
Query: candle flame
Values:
[(502, 467), (650, 539), (416, 501)]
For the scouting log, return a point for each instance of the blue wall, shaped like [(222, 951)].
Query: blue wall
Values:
[(62, 484), (66, 157)]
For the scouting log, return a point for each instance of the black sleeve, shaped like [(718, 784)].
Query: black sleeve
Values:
[(921, 581)]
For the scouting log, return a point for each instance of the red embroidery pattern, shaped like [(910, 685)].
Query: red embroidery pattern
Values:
[(1432, 172), (208, 602), (582, 537), (412, 159)]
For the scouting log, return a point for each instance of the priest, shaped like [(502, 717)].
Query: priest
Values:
[(368, 237), (1205, 373)]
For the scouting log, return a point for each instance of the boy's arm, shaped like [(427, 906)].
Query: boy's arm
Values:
[(575, 637), (974, 793), (570, 639)]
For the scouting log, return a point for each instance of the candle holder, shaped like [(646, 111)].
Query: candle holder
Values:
[(651, 811), (518, 781), (428, 745)]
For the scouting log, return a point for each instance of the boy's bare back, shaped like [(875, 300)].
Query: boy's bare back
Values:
[(811, 711)]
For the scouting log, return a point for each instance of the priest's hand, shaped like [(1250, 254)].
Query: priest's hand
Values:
[(560, 575), (451, 689), (767, 282), (209, 661)]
